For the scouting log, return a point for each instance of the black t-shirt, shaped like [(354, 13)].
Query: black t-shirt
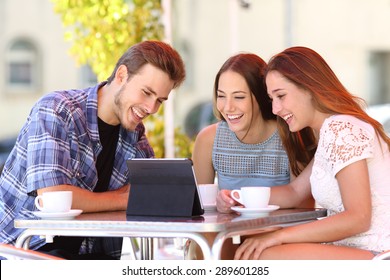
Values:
[(109, 135), (66, 246)]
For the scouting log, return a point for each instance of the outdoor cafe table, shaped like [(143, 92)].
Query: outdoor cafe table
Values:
[(118, 224)]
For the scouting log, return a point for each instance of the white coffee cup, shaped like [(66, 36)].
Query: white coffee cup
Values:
[(54, 202), (252, 197), (208, 193)]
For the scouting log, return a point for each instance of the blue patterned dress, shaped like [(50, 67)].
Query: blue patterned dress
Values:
[(238, 164)]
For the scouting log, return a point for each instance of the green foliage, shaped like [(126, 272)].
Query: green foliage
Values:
[(102, 30), (155, 134)]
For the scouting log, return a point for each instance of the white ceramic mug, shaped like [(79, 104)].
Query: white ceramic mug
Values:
[(54, 202), (208, 193), (252, 197)]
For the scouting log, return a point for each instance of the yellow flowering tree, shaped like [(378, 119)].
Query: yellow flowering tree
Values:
[(102, 30)]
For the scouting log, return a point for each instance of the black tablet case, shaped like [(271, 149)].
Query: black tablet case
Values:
[(163, 187)]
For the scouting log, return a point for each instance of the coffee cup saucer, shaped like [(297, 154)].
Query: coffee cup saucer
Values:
[(58, 215), (255, 211)]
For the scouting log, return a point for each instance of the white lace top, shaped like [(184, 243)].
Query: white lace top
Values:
[(343, 140)]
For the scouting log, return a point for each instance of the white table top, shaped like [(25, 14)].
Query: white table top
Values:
[(209, 222), (118, 224)]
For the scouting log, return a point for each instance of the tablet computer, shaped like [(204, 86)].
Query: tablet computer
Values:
[(163, 187)]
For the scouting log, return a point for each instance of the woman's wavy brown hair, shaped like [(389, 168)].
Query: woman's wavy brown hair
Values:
[(309, 71)]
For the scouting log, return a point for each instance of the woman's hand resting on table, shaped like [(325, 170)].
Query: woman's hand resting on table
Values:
[(224, 201), (253, 246)]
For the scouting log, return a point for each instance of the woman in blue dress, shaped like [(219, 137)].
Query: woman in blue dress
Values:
[(244, 147)]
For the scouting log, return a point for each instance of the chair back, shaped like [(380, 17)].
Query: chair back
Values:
[(10, 252)]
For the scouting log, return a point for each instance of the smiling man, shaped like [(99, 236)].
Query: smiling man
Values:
[(79, 140)]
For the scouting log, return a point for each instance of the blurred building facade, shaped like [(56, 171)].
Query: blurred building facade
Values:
[(34, 60), (352, 35)]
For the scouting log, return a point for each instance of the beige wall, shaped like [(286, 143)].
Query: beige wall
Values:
[(35, 21), (343, 31)]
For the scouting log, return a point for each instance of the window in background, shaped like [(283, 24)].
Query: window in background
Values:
[(379, 89), (23, 67), (88, 77), (199, 117), (379, 84)]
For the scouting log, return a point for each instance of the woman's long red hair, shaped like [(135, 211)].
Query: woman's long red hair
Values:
[(308, 70)]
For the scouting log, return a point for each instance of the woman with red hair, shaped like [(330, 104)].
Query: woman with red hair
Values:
[(349, 171)]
